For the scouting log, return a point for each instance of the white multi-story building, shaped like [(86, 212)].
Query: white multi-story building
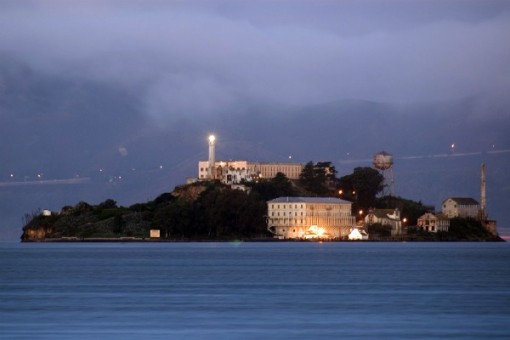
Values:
[(309, 217), (233, 172), (461, 207), (433, 223)]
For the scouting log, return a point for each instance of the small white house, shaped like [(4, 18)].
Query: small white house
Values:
[(389, 217), (358, 234), (155, 233), (433, 223)]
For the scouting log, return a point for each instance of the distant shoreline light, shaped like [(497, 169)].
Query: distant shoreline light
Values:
[(47, 182)]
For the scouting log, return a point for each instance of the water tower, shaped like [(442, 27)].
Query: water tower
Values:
[(383, 162)]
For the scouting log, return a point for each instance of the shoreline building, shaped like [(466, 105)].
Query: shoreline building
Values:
[(309, 218), (461, 207), (433, 223), (388, 217)]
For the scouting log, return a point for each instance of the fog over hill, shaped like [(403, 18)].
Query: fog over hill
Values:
[(96, 138)]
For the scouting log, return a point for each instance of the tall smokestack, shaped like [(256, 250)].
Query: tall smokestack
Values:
[(483, 203), (212, 159)]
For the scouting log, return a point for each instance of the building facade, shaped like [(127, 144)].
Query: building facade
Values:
[(389, 217), (309, 218), (460, 207), (433, 223), (234, 172)]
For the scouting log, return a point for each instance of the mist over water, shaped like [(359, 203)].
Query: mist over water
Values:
[(254, 290)]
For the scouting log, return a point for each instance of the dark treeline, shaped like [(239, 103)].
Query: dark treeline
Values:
[(209, 210)]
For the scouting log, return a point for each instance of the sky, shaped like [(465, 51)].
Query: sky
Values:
[(203, 57), (149, 68)]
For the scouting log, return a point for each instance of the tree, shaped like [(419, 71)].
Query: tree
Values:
[(174, 218), (317, 178), (269, 189), (361, 187)]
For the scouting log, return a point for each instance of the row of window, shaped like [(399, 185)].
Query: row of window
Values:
[(316, 214), (284, 206), (284, 214)]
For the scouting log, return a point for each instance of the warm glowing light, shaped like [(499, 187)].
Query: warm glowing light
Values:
[(404, 220), (360, 212), (212, 138), (316, 232), (340, 192), (355, 235)]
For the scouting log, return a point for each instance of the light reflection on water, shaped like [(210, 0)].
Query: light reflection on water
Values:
[(254, 290)]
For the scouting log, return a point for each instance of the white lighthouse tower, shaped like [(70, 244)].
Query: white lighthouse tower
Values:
[(211, 173)]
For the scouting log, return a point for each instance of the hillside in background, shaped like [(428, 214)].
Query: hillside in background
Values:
[(98, 138)]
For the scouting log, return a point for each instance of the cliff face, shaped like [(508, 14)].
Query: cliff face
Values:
[(35, 234), (189, 192)]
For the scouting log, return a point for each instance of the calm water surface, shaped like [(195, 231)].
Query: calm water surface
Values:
[(254, 290)]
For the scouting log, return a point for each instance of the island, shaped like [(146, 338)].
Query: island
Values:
[(210, 210)]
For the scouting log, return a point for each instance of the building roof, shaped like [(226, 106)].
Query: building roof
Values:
[(430, 215), (463, 200), (309, 200), (381, 213)]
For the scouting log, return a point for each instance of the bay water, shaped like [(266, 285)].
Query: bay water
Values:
[(245, 290)]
